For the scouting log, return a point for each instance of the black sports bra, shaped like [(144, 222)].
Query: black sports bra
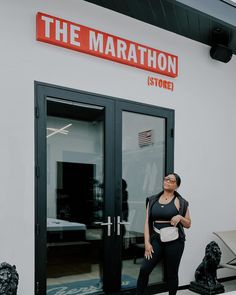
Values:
[(163, 212)]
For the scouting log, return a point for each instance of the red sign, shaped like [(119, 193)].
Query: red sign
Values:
[(60, 32)]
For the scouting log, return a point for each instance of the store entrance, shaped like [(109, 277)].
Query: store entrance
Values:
[(97, 160)]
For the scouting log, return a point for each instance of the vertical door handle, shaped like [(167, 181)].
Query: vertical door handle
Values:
[(108, 223), (119, 222)]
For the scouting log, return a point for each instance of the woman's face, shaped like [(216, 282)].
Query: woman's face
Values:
[(169, 183)]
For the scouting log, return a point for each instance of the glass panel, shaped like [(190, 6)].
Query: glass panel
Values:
[(143, 168), (75, 145)]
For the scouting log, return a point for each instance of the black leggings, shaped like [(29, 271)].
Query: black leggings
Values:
[(171, 252)]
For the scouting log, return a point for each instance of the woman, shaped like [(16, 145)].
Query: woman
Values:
[(166, 209)]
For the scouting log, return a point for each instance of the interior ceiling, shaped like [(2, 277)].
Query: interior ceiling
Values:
[(176, 17), (74, 112)]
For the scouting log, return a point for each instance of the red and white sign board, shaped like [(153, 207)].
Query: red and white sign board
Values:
[(61, 32)]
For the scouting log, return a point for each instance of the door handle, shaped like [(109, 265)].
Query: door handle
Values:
[(108, 223), (119, 222)]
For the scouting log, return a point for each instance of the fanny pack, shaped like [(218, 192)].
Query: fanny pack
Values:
[(167, 234)]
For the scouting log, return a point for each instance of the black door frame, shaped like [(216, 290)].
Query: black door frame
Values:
[(139, 108), (112, 169)]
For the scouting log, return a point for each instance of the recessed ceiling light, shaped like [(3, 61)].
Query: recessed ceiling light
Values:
[(61, 130)]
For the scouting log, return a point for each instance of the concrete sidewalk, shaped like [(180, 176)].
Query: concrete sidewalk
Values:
[(230, 289)]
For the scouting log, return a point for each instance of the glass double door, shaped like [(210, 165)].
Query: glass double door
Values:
[(102, 157)]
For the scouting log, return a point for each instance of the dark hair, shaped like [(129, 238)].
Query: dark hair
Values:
[(124, 184), (178, 179)]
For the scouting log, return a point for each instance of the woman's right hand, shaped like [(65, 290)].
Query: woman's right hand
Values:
[(148, 251)]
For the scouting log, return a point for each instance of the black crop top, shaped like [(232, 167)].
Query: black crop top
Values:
[(163, 212)]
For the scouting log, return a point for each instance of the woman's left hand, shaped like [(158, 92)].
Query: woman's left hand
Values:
[(175, 220)]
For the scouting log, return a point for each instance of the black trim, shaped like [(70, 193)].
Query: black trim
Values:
[(189, 18), (226, 279), (92, 95), (40, 190), (219, 10)]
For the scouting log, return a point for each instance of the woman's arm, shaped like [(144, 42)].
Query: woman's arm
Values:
[(148, 246), (146, 228), (185, 221)]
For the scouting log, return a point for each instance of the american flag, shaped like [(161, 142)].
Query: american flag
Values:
[(145, 138)]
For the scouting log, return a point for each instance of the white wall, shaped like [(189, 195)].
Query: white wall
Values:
[(203, 100)]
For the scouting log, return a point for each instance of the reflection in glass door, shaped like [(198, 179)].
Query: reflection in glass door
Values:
[(143, 168), (75, 202)]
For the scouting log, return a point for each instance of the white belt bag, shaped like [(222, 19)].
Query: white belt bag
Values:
[(167, 234)]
